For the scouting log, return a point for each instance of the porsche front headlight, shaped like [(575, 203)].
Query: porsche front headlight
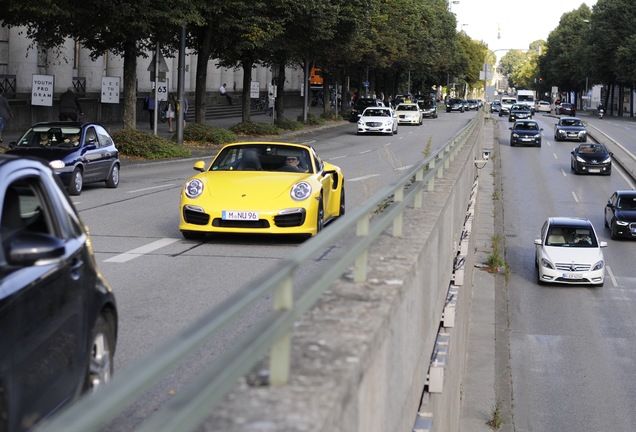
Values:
[(300, 191), (193, 188)]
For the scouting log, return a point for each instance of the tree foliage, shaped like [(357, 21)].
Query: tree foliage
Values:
[(347, 38)]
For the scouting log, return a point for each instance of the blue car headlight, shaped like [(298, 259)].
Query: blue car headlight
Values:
[(193, 188), (300, 191), (580, 159), (57, 164), (608, 160), (515, 135)]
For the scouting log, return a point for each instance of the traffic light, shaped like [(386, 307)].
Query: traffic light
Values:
[(540, 80)]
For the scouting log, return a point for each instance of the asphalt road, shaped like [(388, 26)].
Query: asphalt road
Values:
[(572, 349), (163, 282)]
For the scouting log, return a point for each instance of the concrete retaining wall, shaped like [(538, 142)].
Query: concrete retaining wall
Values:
[(361, 356)]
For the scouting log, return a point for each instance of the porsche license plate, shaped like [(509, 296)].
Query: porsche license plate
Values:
[(239, 215), (572, 276)]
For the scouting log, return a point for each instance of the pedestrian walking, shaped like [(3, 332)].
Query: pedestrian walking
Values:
[(171, 108), (149, 105), (5, 112), (70, 106), (223, 91)]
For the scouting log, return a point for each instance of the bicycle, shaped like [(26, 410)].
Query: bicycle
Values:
[(259, 104)]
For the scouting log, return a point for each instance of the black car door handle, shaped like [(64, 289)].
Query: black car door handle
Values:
[(76, 268)]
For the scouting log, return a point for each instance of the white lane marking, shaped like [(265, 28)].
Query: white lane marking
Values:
[(404, 168), (563, 172), (150, 188), (555, 156), (576, 199), (136, 253), (337, 157), (627, 179), (363, 177), (366, 151), (611, 275)]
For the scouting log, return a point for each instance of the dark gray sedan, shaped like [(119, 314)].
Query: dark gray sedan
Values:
[(570, 128)]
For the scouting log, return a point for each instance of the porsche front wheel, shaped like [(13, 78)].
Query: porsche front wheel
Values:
[(320, 218), (342, 202)]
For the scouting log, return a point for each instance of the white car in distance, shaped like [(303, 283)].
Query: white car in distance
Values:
[(378, 120), (568, 251)]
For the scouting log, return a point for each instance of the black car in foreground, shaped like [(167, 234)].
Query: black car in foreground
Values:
[(79, 153), (620, 214), (592, 159), (525, 132), (58, 316)]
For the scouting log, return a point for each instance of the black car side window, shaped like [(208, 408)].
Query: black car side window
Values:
[(91, 136), (104, 139), (24, 211)]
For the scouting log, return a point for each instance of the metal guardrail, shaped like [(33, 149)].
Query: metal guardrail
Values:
[(189, 408)]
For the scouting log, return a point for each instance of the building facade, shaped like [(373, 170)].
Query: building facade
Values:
[(70, 65)]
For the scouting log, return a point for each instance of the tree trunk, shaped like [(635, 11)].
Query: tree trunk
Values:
[(130, 87), (204, 53), (280, 87), (247, 84)]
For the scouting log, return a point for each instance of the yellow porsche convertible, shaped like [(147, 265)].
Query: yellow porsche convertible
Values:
[(262, 188)]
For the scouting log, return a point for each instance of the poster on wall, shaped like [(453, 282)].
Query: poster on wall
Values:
[(42, 90), (110, 89)]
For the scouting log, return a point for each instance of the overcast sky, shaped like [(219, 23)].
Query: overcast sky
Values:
[(518, 22)]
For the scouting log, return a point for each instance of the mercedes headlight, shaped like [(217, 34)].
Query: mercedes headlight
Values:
[(599, 265), (546, 263), (300, 191), (193, 188)]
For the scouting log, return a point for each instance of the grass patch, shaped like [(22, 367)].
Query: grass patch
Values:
[(495, 420), (288, 124), (204, 135), (134, 143), (495, 260)]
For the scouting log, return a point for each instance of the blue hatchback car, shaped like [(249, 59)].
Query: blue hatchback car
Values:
[(78, 152)]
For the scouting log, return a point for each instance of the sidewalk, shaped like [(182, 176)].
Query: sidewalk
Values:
[(143, 123)]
